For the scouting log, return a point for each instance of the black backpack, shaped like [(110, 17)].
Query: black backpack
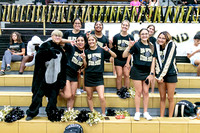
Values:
[(73, 128), (184, 108)]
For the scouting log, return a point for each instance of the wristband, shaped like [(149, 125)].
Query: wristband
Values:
[(151, 73)]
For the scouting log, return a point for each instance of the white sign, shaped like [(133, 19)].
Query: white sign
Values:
[(182, 33)]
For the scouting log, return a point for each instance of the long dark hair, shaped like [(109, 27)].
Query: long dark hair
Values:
[(75, 20), (19, 39)]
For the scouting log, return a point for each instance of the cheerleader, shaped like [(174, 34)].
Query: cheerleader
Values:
[(72, 35), (94, 61), (122, 65), (102, 40), (166, 70), (74, 64), (141, 72)]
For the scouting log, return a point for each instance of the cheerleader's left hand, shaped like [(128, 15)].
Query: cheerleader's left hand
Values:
[(150, 77), (105, 48), (127, 65)]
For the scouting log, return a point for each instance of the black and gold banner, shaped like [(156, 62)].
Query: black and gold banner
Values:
[(105, 13)]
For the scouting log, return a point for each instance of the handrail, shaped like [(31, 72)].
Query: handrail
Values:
[(106, 13)]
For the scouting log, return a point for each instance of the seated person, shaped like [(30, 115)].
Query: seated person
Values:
[(15, 52), (32, 47), (193, 53)]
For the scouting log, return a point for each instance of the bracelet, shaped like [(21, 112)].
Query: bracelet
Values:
[(108, 49), (151, 73)]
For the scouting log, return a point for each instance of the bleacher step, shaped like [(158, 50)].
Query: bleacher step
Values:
[(109, 81), (127, 125), (112, 100), (182, 67)]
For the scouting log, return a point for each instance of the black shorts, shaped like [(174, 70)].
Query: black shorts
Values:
[(93, 79), (118, 62), (71, 75), (139, 72), (170, 78)]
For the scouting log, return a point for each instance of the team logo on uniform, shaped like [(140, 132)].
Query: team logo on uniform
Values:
[(76, 59), (122, 44), (162, 56), (145, 54), (94, 59)]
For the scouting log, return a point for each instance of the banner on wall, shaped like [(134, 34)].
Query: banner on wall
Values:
[(182, 34)]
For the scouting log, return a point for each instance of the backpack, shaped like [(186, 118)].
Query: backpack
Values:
[(184, 108), (73, 128)]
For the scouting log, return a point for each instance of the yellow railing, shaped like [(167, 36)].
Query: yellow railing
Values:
[(105, 13), (91, 13)]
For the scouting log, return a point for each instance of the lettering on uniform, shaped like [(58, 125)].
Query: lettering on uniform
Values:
[(94, 59), (72, 38), (100, 44), (145, 54), (122, 44), (76, 59)]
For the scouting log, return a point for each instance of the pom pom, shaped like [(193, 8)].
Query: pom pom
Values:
[(69, 115), (94, 118), (110, 112), (123, 93), (14, 115), (4, 112), (55, 114), (125, 113), (83, 116)]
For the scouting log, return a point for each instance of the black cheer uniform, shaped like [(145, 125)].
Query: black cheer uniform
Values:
[(103, 41), (69, 35), (95, 67), (48, 77), (142, 58), (120, 43), (74, 62)]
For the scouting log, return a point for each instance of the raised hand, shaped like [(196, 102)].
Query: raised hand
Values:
[(73, 43), (105, 48), (88, 33), (131, 43), (83, 55)]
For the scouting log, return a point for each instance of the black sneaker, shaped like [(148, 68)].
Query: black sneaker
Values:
[(2, 73), (20, 72), (28, 118), (8, 68)]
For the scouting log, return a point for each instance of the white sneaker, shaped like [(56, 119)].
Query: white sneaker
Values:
[(78, 91), (137, 116), (147, 116), (103, 115)]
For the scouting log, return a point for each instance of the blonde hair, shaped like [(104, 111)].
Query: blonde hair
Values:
[(93, 37), (57, 32), (127, 22)]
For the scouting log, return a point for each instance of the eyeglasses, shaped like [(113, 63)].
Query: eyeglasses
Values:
[(161, 38), (77, 23), (143, 34)]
